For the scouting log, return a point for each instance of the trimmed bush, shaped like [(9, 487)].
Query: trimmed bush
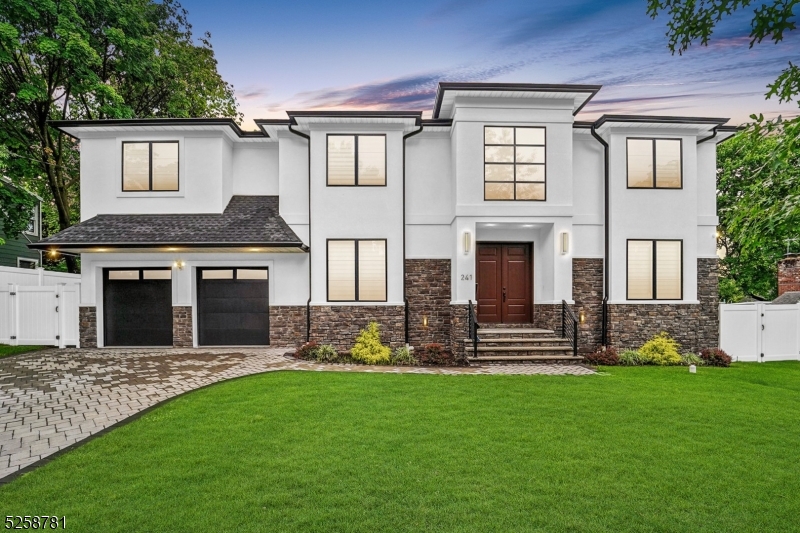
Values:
[(368, 348), (688, 359), (326, 354), (631, 358), (435, 354), (306, 351), (605, 356), (403, 357), (715, 357), (661, 350)]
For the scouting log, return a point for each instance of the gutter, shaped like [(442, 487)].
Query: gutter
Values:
[(606, 262), (308, 302), (713, 134), (405, 298)]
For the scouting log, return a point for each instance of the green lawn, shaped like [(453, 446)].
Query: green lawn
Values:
[(6, 350), (633, 449)]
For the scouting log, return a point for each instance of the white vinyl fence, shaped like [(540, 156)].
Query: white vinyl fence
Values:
[(38, 307), (760, 331)]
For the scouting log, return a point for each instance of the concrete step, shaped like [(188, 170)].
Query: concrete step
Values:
[(529, 341), (496, 331), (521, 351), (532, 358)]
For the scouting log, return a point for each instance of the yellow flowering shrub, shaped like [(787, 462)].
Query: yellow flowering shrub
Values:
[(368, 348), (661, 350)]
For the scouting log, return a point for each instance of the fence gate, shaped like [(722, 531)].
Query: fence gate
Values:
[(760, 332), (45, 316)]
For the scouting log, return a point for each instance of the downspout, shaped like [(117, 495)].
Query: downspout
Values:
[(713, 134), (606, 262), (308, 303), (405, 298)]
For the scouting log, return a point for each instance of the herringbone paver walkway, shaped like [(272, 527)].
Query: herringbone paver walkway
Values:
[(52, 399)]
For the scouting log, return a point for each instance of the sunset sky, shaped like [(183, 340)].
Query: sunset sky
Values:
[(390, 55)]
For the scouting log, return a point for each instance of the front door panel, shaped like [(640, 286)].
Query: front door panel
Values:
[(503, 275)]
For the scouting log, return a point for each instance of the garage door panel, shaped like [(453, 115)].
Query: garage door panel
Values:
[(233, 311), (137, 312)]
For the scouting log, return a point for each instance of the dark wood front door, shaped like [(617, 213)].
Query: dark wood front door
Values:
[(504, 277)]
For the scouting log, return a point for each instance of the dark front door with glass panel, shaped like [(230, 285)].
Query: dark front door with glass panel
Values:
[(504, 274), (233, 306), (137, 307)]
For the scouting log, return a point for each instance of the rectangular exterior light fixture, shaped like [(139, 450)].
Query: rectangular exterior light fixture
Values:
[(467, 238), (564, 243)]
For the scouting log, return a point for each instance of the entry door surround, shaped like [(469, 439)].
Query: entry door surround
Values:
[(504, 275)]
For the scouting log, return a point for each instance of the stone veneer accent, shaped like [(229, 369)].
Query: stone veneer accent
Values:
[(459, 329), (428, 293), (182, 330), (87, 326), (547, 316), (694, 326), (287, 325), (340, 324), (789, 274), (587, 292)]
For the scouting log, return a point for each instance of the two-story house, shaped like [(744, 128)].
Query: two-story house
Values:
[(196, 233)]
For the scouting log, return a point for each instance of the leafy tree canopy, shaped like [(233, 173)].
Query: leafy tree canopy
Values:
[(94, 59)]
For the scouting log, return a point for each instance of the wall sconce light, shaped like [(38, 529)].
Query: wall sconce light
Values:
[(179, 265), (564, 243), (467, 238), (582, 317), (425, 321)]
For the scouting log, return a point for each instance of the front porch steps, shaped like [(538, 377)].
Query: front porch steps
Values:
[(499, 344)]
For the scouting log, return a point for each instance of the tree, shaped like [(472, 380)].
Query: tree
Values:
[(758, 198), (95, 59), (692, 20)]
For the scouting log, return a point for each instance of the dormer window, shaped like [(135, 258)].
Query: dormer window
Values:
[(356, 160), (654, 164), (150, 166), (514, 163)]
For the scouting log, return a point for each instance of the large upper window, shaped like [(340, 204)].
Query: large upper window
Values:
[(654, 164), (356, 270), (356, 160), (150, 166), (655, 270), (514, 163)]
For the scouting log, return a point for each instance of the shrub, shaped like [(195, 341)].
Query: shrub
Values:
[(435, 354), (631, 358), (306, 351), (715, 357), (691, 359), (604, 356), (403, 357), (661, 350), (368, 348), (326, 354)]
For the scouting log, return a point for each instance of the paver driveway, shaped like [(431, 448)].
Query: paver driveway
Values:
[(52, 399)]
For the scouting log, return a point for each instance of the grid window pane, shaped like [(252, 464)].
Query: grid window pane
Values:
[(640, 163), (218, 274), (165, 166), (498, 135), (123, 274), (371, 160), (668, 163), (244, 273), (341, 160), (530, 135), (157, 274), (372, 271), (342, 270), (499, 191), (499, 172), (530, 172), (499, 154), (136, 166), (640, 270), (668, 270), (530, 154), (530, 191)]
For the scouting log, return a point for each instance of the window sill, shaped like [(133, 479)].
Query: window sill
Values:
[(151, 194), (654, 302)]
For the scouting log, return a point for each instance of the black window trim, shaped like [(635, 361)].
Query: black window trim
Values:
[(150, 165), (655, 179), (355, 162), (235, 272), (514, 163), (141, 270), (655, 279), (328, 273)]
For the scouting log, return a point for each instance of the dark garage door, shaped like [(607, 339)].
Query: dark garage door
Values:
[(137, 307), (233, 306)]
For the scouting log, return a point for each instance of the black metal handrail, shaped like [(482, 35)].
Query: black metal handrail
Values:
[(569, 326), (473, 329)]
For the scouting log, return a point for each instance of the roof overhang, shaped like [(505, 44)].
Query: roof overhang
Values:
[(305, 120), (167, 247), (85, 128), (448, 91)]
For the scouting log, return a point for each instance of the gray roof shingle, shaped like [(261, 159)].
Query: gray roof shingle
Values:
[(791, 297), (246, 221)]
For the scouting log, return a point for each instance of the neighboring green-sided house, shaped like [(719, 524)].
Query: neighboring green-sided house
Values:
[(15, 252)]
